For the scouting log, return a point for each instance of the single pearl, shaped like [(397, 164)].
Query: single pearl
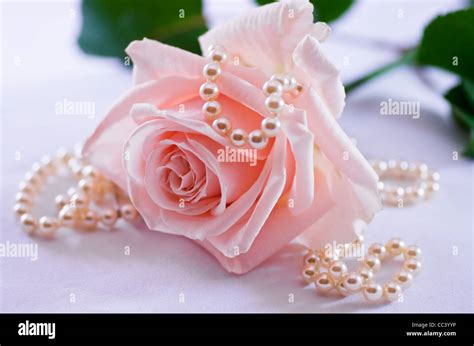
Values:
[(86, 186), (89, 220), (211, 71), (274, 104), (273, 87), (365, 273), (128, 212), (109, 217), (91, 172), (23, 198), (412, 266), (381, 168), (392, 291), (29, 223), (69, 216), (435, 177), (286, 81), (61, 201), (395, 246), (323, 282), (63, 155), (218, 53), (372, 262), (271, 126), (311, 258), (341, 288), (238, 137), (27, 188), (380, 186), (39, 170), (33, 179), (326, 261), (80, 201), (48, 226), (337, 269), (209, 91), (48, 164), (403, 278), (257, 139), (377, 249), (372, 292), (21, 209), (297, 90), (353, 282), (309, 273), (412, 251), (211, 109), (222, 126)]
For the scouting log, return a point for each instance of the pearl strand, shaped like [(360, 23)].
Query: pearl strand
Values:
[(329, 273), (274, 103), (425, 181), (74, 207)]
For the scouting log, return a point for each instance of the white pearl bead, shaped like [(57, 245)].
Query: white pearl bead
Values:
[(257, 139), (403, 278), (372, 262), (323, 282), (128, 212), (71, 191), (69, 216), (48, 226), (23, 198), (273, 87), (209, 91), (392, 291), (29, 223), (271, 126), (20, 209), (372, 292), (86, 186), (33, 179), (326, 261), (212, 71), (89, 220), (311, 258), (222, 126), (238, 137), (27, 188), (286, 81), (48, 164), (412, 251), (80, 201), (395, 246), (91, 172), (377, 249), (353, 282), (60, 201), (211, 109), (365, 273), (341, 288), (108, 217), (309, 273), (274, 104), (218, 53), (412, 266), (337, 269), (63, 155)]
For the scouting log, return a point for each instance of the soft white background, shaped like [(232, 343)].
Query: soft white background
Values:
[(41, 65)]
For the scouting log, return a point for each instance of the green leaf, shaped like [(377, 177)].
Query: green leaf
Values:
[(110, 25), (324, 10), (448, 43)]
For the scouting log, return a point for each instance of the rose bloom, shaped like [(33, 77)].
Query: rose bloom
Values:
[(309, 183)]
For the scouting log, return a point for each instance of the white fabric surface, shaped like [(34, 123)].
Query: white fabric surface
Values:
[(42, 65)]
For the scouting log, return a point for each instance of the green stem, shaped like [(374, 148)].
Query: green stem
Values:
[(406, 58)]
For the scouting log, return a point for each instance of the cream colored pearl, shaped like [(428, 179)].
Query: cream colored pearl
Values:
[(211, 109), (238, 137), (212, 71), (381, 168), (271, 126), (128, 212), (209, 91), (222, 126), (20, 209), (286, 81), (218, 53), (89, 220), (71, 191), (377, 249), (323, 282), (341, 288), (326, 261), (273, 87), (39, 170), (80, 201), (395, 246), (311, 258), (23, 198), (63, 155), (403, 278), (365, 273), (27, 188), (372, 262), (33, 179), (29, 223), (60, 201), (412, 266), (435, 177), (392, 291), (412, 251), (109, 217), (372, 292), (91, 172), (48, 164), (274, 104), (86, 187), (48, 226), (257, 139), (353, 282), (69, 216), (337, 269), (309, 273)]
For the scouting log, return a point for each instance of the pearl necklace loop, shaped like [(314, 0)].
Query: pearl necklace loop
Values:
[(74, 207), (274, 89)]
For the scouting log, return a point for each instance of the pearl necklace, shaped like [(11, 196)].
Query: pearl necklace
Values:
[(274, 103), (74, 208), (330, 272)]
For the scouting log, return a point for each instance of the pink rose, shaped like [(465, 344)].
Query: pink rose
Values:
[(310, 181)]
